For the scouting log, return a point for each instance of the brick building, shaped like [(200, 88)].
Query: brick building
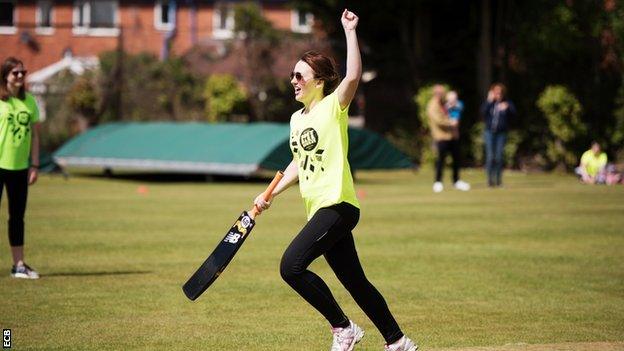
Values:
[(42, 32)]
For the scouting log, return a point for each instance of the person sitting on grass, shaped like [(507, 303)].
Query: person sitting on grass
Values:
[(592, 167)]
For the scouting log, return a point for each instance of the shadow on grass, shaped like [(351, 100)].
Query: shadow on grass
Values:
[(91, 274)]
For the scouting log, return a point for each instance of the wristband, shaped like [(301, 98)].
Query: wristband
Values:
[(34, 166)]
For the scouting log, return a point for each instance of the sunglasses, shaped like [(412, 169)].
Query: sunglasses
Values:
[(298, 76), (17, 73)]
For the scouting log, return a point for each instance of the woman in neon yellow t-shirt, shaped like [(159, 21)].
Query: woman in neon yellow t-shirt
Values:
[(19, 141), (319, 144)]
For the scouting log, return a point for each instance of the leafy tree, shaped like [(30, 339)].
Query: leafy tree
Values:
[(224, 97), (563, 112), (83, 97), (141, 87), (260, 39)]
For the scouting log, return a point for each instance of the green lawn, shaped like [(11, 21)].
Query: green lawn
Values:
[(539, 262)]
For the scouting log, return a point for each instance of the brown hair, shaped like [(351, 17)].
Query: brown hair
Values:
[(324, 69), (7, 67), (502, 87)]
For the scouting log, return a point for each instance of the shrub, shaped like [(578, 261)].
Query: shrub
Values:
[(562, 111), (224, 97)]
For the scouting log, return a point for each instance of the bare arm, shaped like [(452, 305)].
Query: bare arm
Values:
[(348, 85), (291, 175), (34, 155)]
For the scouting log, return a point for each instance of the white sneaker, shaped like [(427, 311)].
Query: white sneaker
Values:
[(404, 344), (438, 187), (461, 185), (24, 272), (346, 338)]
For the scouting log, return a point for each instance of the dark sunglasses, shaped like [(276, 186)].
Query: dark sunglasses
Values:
[(298, 76), (17, 73)]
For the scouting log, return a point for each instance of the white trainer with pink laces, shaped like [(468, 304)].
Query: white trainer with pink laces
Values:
[(346, 338), (403, 344)]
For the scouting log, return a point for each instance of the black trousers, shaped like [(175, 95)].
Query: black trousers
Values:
[(444, 148), (328, 233), (16, 183)]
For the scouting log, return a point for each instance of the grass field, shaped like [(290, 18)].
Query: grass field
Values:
[(540, 262)]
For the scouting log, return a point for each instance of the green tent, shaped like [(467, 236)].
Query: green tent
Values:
[(224, 148)]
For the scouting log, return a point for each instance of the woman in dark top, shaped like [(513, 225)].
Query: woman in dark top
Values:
[(497, 112)]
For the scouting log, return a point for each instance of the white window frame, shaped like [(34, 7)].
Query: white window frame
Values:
[(91, 31), (217, 31), (295, 16), (10, 29), (39, 29), (158, 24)]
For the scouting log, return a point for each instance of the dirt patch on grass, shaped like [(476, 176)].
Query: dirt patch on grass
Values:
[(572, 346)]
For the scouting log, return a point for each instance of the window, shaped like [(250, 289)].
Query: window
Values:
[(164, 15), (96, 17), (44, 17), (7, 17), (301, 21), (223, 22)]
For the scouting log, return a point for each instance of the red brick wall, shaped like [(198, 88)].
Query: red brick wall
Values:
[(278, 15), (138, 32)]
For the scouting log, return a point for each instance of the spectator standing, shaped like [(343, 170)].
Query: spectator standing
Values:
[(497, 113), (444, 134)]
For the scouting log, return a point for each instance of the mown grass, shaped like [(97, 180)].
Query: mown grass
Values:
[(540, 261)]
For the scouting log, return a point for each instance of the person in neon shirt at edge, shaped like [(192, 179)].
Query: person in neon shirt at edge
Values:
[(19, 140), (319, 144), (593, 164)]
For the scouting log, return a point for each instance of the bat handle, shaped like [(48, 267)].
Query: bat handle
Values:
[(267, 193)]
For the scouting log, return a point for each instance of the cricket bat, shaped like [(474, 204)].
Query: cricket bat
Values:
[(214, 265)]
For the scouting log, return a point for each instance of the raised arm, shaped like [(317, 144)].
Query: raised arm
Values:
[(348, 85)]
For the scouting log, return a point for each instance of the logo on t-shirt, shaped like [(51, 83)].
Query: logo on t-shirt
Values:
[(308, 161), (19, 126), (308, 139)]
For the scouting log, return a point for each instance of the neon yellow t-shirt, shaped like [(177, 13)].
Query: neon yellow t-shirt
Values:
[(593, 163), (16, 122), (319, 143)]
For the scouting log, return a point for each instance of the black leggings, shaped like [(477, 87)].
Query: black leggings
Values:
[(328, 233), (444, 148), (17, 192)]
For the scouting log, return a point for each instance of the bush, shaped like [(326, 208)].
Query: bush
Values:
[(224, 97), (562, 111), (143, 88), (83, 98)]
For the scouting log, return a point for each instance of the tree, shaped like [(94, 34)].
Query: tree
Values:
[(224, 97), (563, 112), (260, 38), (148, 89)]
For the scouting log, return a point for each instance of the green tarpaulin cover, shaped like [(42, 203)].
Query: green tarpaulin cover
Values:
[(224, 148)]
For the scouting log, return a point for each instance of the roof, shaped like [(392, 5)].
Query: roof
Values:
[(76, 65), (193, 147)]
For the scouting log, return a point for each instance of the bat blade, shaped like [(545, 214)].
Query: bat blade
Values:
[(214, 265)]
